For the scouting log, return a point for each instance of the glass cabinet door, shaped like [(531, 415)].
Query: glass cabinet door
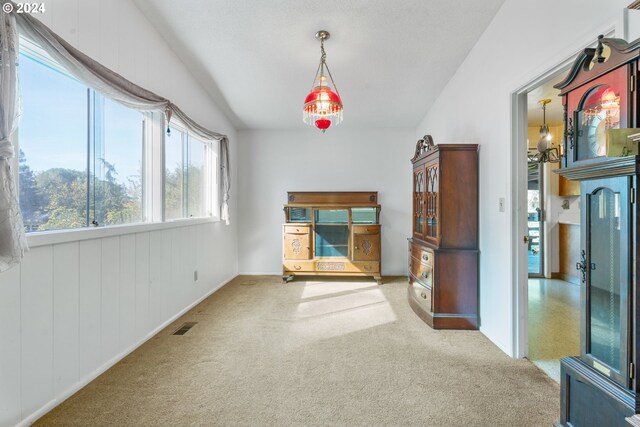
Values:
[(331, 232), (605, 269), (432, 201), (418, 202), (592, 111), (600, 111)]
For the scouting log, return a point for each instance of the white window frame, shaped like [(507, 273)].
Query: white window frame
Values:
[(153, 168), (211, 165)]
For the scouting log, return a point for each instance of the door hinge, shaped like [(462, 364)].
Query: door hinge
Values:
[(632, 83), (632, 196), (632, 373)]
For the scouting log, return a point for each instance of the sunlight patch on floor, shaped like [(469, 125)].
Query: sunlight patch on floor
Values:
[(323, 288), (333, 313), (333, 304)]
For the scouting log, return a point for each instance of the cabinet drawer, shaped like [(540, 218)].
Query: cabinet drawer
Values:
[(302, 266), (422, 295), (348, 267), (421, 272), (297, 229), (366, 229), (331, 266), (422, 254)]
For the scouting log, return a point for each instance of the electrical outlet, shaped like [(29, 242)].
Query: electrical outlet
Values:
[(501, 204), (195, 275)]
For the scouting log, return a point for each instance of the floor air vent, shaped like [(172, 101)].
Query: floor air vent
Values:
[(185, 328)]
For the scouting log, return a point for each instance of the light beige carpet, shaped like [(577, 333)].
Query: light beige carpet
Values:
[(313, 353)]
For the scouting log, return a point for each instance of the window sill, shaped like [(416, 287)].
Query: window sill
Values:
[(55, 237)]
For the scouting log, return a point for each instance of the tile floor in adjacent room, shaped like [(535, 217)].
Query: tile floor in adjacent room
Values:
[(554, 323)]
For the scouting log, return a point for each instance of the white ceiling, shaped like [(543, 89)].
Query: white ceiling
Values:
[(257, 58)]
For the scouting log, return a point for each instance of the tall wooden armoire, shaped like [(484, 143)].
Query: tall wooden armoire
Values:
[(443, 251), (600, 386)]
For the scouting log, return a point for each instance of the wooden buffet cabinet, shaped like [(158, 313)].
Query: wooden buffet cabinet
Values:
[(443, 251), (331, 234)]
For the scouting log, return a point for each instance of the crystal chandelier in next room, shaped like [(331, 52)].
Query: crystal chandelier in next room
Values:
[(323, 105)]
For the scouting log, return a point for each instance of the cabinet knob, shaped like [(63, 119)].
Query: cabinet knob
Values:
[(423, 295), (355, 247), (424, 275), (425, 257)]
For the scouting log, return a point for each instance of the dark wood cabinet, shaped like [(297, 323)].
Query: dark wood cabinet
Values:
[(600, 386), (443, 251)]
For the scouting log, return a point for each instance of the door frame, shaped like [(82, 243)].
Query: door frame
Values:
[(519, 127)]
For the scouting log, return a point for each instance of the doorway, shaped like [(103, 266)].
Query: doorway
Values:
[(549, 302)]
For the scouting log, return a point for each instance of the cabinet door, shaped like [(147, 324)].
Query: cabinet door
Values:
[(592, 110), (432, 203), (297, 245), (366, 247), (418, 201), (605, 268)]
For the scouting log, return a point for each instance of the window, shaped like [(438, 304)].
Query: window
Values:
[(80, 154), (189, 183), (85, 160)]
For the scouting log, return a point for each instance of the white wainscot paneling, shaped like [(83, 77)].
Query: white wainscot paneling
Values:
[(10, 352), (127, 290), (36, 321), (90, 307), (110, 299), (66, 325)]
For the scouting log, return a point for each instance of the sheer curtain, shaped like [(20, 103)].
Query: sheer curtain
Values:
[(13, 242), (12, 238)]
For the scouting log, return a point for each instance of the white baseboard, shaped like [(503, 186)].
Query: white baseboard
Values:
[(279, 273), (95, 374), (257, 273)]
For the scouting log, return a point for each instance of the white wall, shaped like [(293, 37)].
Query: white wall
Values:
[(274, 162), (70, 310), (524, 40)]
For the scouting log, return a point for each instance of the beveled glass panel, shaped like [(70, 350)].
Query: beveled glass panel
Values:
[(364, 215), (299, 214), (604, 338), (332, 216)]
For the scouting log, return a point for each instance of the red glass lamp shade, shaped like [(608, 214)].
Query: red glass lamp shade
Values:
[(322, 107)]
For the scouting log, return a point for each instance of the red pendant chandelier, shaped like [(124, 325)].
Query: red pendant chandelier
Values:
[(322, 106)]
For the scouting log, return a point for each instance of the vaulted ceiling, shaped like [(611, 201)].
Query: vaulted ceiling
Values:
[(257, 58)]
